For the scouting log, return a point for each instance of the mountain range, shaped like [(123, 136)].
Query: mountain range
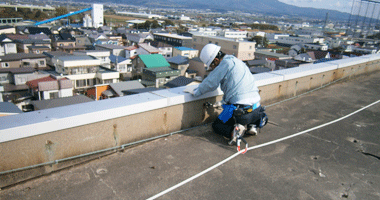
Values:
[(268, 7)]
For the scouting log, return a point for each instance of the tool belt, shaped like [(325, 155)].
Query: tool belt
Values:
[(245, 109)]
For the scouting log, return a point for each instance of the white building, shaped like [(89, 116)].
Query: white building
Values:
[(102, 55), (233, 34), (84, 71), (292, 40), (97, 15), (87, 21)]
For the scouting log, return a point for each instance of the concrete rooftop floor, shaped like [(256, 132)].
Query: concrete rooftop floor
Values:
[(338, 161)]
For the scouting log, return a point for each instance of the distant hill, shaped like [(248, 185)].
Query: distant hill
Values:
[(270, 7)]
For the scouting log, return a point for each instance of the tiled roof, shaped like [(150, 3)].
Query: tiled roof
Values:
[(120, 87), (178, 82), (8, 107), (130, 48), (179, 60), (154, 60), (20, 56), (52, 103), (148, 48), (34, 83), (17, 36), (119, 59)]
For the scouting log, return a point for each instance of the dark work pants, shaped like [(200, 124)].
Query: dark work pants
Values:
[(225, 129)]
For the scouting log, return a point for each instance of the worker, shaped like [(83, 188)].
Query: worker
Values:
[(236, 81)]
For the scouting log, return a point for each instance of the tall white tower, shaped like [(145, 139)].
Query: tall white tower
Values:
[(97, 15), (87, 21)]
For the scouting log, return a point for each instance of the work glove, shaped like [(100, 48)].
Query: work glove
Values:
[(191, 90)]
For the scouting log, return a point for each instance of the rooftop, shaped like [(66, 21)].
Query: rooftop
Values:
[(154, 60), (312, 149)]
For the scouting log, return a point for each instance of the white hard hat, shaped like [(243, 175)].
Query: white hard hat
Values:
[(208, 53)]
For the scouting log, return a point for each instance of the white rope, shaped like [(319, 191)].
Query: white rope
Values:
[(255, 147)]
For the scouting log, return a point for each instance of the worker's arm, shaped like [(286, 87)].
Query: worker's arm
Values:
[(212, 81)]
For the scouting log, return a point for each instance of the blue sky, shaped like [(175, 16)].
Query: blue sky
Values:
[(340, 5)]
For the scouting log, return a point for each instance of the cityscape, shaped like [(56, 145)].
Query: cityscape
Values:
[(76, 77)]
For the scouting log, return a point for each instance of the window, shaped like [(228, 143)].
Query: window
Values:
[(195, 39), (53, 95), (5, 65), (250, 47), (216, 43), (209, 41), (81, 83), (42, 62), (235, 47)]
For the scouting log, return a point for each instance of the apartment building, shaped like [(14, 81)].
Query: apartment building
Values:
[(242, 49), (102, 55), (173, 39), (292, 40), (84, 71), (185, 51)]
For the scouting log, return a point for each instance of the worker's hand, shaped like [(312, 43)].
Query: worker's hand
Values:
[(218, 104), (191, 90)]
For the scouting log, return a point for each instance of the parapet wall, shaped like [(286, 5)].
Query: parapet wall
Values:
[(52, 135)]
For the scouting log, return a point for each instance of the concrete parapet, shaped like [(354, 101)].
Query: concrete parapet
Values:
[(48, 136)]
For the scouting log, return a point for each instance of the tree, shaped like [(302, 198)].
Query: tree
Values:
[(168, 22), (61, 11), (262, 41)]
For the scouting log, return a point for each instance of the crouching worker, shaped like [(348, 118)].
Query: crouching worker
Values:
[(240, 91)]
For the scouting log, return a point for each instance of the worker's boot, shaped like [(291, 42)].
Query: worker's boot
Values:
[(252, 129)]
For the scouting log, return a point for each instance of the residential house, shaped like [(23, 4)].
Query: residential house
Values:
[(38, 49), (318, 47), (158, 76), (102, 55), (288, 63), (122, 65), (103, 39), (312, 56), (146, 48), (256, 63), (165, 49), (106, 91), (23, 44), (84, 71), (82, 40), (7, 29), (7, 46), (50, 55), (53, 103), (264, 55), (50, 88), (8, 108), (62, 40), (113, 49), (147, 61), (120, 89), (242, 49), (37, 30), (137, 38), (131, 52), (185, 51), (258, 70), (179, 62), (180, 81), (117, 38), (197, 65), (173, 39), (23, 60)]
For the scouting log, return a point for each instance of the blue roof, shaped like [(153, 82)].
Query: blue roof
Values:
[(185, 49), (119, 59)]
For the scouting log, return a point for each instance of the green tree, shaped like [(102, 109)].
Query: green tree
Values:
[(61, 11), (260, 41), (168, 22)]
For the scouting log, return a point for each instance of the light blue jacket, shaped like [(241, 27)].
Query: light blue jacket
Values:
[(235, 80)]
